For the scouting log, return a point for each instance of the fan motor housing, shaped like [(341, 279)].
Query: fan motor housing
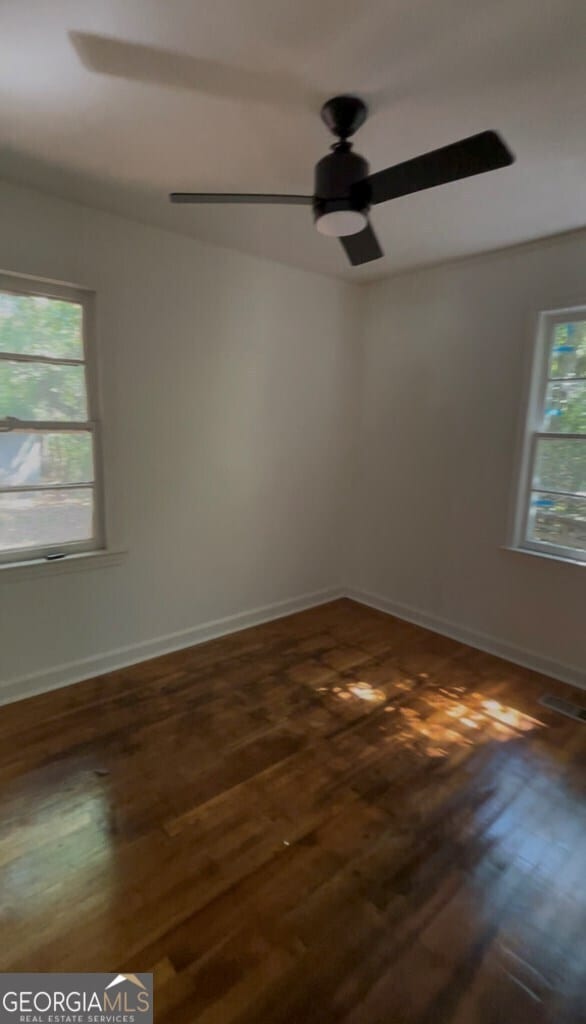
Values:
[(340, 182)]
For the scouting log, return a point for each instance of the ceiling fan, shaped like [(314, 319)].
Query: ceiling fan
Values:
[(345, 191)]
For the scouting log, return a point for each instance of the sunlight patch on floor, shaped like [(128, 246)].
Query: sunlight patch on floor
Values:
[(443, 719), (366, 692)]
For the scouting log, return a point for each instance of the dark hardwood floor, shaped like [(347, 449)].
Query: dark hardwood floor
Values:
[(337, 816)]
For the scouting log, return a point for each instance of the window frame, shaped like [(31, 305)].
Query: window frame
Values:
[(24, 285), (533, 432)]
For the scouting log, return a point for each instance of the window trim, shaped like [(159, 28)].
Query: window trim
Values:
[(532, 431), (26, 285)]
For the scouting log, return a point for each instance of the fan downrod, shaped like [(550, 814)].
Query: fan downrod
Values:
[(344, 115)]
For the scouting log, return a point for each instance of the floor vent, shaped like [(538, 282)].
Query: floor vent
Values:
[(565, 707)]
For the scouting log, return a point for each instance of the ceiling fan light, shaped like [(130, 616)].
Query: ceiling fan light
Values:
[(338, 223)]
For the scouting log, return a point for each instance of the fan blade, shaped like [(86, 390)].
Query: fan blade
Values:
[(362, 247), (237, 197), (475, 155)]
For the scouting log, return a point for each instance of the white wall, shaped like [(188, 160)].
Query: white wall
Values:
[(225, 384), (444, 365)]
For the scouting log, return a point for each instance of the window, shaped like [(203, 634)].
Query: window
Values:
[(49, 440), (551, 515)]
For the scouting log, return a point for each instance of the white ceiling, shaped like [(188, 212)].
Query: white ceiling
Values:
[(223, 95)]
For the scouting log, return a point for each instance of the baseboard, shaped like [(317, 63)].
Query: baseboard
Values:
[(76, 671), (528, 659)]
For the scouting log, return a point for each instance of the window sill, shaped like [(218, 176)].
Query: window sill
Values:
[(545, 554), (40, 568)]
